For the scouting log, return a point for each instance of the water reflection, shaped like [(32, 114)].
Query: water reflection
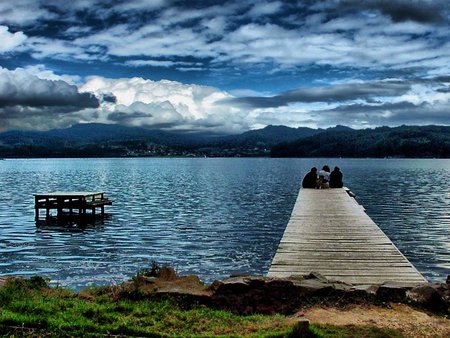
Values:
[(212, 217)]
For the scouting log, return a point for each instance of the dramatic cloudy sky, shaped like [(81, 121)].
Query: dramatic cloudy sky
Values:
[(224, 66)]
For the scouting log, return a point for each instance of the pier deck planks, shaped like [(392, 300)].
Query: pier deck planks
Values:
[(330, 233)]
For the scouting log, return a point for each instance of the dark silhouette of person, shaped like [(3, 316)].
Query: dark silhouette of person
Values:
[(336, 178), (309, 181)]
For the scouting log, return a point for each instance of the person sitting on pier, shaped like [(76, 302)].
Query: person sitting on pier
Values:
[(336, 178), (324, 178), (309, 181)]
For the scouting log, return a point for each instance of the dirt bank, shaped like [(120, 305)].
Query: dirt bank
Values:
[(409, 321)]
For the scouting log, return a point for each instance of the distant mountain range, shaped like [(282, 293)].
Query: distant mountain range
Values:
[(105, 140), (80, 134)]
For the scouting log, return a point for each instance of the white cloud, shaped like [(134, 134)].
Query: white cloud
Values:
[(425, 93), (42, 48), (27, 100), (216, 25), (342, 42), (9, 41), (240, 92), (172, 17), (154, 114), (364, 39), (163, 63), (139, 5), (42, 72), (77, 31), (22, 12), (153, 63), (262, 8), (151, 40), (167, 104)]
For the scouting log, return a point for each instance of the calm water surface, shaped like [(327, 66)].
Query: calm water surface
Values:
[(211, 217)]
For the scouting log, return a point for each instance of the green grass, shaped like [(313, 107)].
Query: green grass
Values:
[(29, 308), (60, 312)]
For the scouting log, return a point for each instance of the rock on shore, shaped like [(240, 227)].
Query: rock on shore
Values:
[(268, 295)]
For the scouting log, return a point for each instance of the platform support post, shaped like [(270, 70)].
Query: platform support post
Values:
[(36, 209)]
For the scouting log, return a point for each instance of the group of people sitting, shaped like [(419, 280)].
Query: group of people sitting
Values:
[(324, 179)]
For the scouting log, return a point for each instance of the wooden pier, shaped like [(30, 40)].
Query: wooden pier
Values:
[(70, 206), (330, 233)]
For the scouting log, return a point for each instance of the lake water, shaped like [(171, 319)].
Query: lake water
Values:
[(208, 216)]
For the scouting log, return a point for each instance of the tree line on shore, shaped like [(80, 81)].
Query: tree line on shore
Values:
[(405, 141), (97, 140)]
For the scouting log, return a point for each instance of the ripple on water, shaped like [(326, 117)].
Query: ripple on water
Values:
[(212, 217)]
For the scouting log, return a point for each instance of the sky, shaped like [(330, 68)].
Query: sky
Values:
[(224, 66)]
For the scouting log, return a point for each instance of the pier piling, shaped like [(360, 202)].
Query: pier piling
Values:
[(66, 204)]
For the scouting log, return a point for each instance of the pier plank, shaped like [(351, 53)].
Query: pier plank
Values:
[(330, 233)]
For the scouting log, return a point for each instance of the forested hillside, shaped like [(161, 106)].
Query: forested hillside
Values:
[(404, 141), (98, 140)]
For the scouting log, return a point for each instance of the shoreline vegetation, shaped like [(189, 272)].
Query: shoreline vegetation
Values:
[(103, 140), (157, 302)]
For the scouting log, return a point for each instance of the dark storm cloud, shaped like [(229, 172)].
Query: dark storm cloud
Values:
[(359, 108), (342, 92), (147, 120), (368, 91), (44, 118), (24, 112), (386, 114), (111, 98), (443, 90), (19, 88), (33, 99), (404, 10), (445, 79), (29, 102), (122, 117)]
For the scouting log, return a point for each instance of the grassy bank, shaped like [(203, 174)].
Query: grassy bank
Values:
[(31, 308)]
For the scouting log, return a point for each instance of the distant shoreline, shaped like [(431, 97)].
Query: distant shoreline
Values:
[(92, 140)]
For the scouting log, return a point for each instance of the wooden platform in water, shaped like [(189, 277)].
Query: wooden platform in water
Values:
[(70, 206), (330, 233)]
